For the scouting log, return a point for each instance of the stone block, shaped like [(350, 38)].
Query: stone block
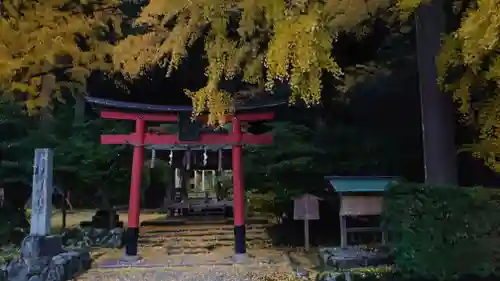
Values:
[(4, 274), (105, 219), (43, 259), (353, 256), (37, 246)]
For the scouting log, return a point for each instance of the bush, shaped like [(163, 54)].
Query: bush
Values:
[(260, 202), (443, 232)]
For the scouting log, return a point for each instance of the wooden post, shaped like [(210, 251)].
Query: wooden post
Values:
[(306, 227), (203, 180), (306, 234), (343, 232), (196, 179), (343, 227), (383, 230)]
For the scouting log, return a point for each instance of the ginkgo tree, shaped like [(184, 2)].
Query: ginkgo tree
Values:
[(469, 67), (50, 45), (261, 42)]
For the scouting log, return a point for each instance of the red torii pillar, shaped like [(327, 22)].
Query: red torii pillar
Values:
[(238, 193), (140, 138)]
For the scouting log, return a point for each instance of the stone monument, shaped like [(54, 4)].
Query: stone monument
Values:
[(39, 244), (42, 257), (41, 198)]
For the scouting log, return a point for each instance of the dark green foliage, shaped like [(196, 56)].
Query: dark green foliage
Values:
[(79, 155), (443, 232), (285, 169), (304, 151), (81, 165), (15, 128), (160, 174)]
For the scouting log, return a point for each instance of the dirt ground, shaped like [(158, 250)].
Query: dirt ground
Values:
[(303, 259), (74, 218)]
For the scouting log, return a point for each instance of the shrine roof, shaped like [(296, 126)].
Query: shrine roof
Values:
[(362, 183), (249, 105)]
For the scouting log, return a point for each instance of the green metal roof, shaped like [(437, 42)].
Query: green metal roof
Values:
[(361, 184)]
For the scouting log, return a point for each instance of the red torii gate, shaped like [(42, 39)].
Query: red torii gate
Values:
[(141, 138)]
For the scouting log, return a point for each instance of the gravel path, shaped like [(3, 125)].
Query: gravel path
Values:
[(198, 273), (262, 265)]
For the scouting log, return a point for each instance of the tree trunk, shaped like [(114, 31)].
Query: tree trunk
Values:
[(46, 90), (63, 207), (79, 109), (438, 125)]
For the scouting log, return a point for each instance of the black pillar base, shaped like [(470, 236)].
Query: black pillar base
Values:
[(132, 237), (239, 239)]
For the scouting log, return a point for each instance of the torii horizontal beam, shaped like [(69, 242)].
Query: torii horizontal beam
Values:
[(157, 117), (208, 139)]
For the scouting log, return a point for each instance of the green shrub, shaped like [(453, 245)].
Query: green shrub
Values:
[(443, 232), (260, 202), (28, 214)]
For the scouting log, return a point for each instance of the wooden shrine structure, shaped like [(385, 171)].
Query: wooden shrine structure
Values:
[(360, 197), (190, 134)]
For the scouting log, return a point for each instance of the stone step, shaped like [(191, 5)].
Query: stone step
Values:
[(202, 232), (182, 229), (205, 249), (198, 228), (202, 239), (202, 235), (170, 247), (216, 245), (193, 239), (199, 221), (188, 252), (206, 234)]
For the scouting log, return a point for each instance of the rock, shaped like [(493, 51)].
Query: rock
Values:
[(37, 262), (17, 270), (353, 256), (87, 230), (36, 252), (105, 219), (35, 246), (328, 276), (36, 278), (4, 274), (82, 259), (86, 237), (116, 239), (55, 272), (70, 236), (302, 274)]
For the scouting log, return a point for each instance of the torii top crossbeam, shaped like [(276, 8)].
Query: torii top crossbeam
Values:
[(170, 114)]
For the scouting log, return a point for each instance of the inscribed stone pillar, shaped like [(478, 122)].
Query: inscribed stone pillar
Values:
[(41, 198)]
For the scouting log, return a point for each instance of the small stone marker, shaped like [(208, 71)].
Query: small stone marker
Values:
[(306, 207), (41, 198)]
